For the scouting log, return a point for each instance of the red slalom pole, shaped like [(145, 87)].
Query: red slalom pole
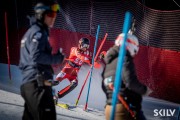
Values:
[(100, 47), (7, 44)]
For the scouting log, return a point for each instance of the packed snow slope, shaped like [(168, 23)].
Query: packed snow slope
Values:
[(11, 103)]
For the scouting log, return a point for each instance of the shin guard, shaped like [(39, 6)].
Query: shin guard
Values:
[(67, 89)]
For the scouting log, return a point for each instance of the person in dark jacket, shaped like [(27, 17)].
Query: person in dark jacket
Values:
[(35, 64), (131, 89)]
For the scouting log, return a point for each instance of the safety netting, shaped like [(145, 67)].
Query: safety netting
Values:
[(157, 62)]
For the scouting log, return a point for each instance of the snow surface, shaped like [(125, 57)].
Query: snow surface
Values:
[(11, 108), (11, 103)]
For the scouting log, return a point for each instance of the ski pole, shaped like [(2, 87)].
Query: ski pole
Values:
[(102, 43), (122, 51), (85, 107)]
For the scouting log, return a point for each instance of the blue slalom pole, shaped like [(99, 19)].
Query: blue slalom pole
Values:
[(97, 34), (122, 52)]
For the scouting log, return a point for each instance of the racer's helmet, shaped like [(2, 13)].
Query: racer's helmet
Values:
[(84, 43)]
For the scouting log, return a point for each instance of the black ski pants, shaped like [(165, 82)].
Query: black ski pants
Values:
[(39, 104)]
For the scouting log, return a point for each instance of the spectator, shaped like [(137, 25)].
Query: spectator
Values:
[(131, 89), (35, 63)]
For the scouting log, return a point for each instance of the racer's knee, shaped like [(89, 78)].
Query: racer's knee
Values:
[(60, 76), (74, 83)]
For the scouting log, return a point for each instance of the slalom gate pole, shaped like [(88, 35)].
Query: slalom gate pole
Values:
[(100, 47), (82, 88), (97, 34), (7, 45), (122, 51)]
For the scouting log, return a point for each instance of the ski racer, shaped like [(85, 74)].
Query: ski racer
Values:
[(78, 56)]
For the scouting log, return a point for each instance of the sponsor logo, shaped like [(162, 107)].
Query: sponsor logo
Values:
[(164, 112)]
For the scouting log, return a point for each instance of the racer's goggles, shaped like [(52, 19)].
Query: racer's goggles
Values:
[(84, 46)]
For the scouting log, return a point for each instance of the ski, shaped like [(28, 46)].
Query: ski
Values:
[(63, 105)]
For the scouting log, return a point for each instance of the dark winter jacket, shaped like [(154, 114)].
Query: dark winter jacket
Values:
[(35, 53), (131, 88)]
